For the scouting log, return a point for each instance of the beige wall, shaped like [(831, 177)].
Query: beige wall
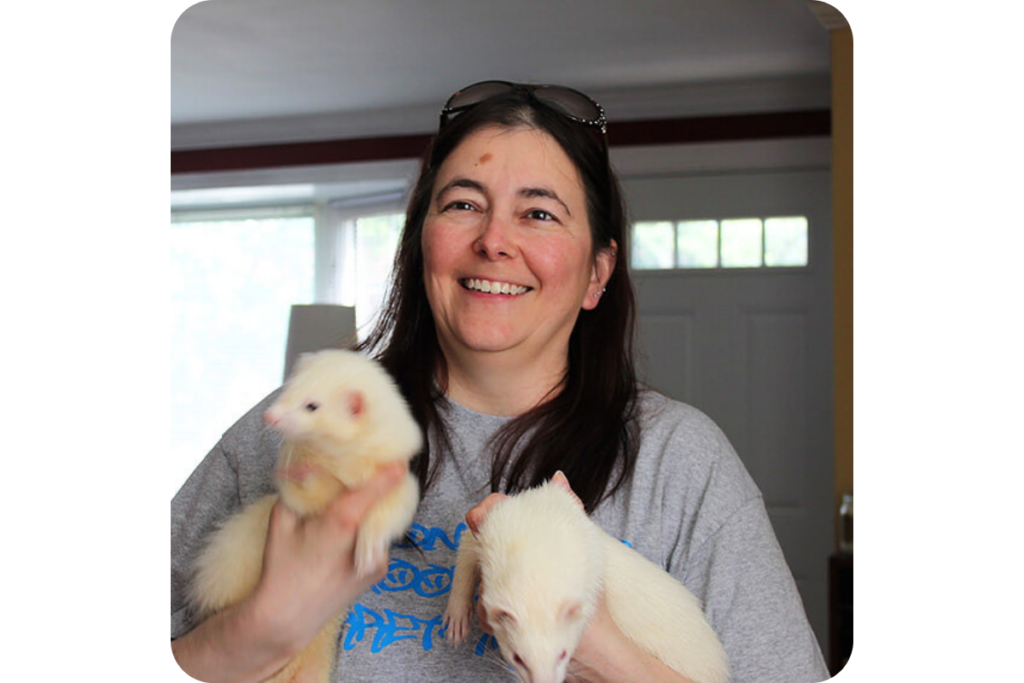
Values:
[(842, 226)]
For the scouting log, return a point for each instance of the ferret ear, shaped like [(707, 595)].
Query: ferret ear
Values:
[(570, 611), (503, 617), (355, 402), (562, 482)]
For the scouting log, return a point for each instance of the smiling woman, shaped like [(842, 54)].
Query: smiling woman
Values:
[(513, 190), (511, 211)]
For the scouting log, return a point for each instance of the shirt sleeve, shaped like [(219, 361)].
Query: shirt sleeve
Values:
[(718, 540), (209, 495), (753, 603), (237, 471)]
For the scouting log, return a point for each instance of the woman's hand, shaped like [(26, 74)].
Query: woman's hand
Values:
[(309, 574), (308, 578), (476, 516), (605, 653)]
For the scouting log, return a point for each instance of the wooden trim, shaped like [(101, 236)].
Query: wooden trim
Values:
[(624, 134)]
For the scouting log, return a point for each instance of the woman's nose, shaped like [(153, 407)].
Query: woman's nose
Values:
[(495, 242)]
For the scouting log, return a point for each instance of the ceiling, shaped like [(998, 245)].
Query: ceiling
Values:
[(258, 71)]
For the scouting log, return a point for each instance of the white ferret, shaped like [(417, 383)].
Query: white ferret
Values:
[(543, 563), (340, 416)]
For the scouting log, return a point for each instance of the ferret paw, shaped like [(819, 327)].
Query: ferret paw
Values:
[(456, 625)]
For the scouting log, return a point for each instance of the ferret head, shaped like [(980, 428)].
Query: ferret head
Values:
[(541, 566), (334, 398), (315, 406), (538, 640)]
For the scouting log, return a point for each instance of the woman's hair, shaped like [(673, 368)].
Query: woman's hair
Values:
[(587, 427)]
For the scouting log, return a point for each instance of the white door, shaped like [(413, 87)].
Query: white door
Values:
[(752, 348)]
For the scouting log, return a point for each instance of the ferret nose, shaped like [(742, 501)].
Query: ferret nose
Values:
[(271, 418)]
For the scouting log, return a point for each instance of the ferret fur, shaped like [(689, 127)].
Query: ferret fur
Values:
[(340, 416), (543, 564)]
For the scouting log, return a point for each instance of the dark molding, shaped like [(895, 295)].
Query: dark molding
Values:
[(793, 124), (810, 123), (298, 154)]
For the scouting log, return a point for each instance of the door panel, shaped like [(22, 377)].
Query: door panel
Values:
[(753, 349)]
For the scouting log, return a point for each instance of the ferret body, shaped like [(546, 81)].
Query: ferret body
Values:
[(341, 417), (543, 564)]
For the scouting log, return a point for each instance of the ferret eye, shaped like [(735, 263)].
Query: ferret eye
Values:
[(312, 406)]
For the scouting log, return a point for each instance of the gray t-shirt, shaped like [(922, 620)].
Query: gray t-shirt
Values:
[(690, 507)]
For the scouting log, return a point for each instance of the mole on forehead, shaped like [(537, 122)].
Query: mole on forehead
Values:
[(485, 158)]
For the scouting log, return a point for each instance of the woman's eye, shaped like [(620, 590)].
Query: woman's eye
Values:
[(459, 206), (541, 215)]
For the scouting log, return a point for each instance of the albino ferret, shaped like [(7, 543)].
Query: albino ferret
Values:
[(543, 563), (341, 417)]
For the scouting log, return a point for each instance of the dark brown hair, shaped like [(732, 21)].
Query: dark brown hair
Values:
[(587, 427)]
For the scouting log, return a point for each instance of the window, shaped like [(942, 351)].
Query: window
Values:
[(233, 281), (775, 242), (369, 246), (235, 273)]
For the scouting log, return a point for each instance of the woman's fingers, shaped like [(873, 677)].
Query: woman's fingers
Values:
[(309, 572)]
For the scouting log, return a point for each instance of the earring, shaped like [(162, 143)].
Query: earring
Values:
[(597, 295)]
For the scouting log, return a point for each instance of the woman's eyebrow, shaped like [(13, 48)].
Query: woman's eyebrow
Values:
[(461, 182), (529, 192)]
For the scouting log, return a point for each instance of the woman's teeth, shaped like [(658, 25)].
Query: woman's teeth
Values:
[(493, 287)]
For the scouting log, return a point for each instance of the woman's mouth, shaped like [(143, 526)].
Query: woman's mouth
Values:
[(493, 286)]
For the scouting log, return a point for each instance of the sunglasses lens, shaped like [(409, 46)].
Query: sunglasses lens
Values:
[(477, 93), (569, 102)]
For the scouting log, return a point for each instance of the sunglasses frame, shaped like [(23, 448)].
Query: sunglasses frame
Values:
[(601, 123)]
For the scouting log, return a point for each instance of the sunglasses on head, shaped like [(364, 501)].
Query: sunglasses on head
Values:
[(570, 103)]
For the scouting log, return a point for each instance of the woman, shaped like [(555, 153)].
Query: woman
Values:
[(509, 330)]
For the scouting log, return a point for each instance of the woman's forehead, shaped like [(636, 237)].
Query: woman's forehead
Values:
[(532, 156)]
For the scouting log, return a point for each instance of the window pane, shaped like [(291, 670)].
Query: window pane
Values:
[(741, 243), (376, 243), (785, 241), (698, 244), (232, 287), (653, 245)]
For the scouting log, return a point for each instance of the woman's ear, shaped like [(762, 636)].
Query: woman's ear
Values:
[(604, 266)]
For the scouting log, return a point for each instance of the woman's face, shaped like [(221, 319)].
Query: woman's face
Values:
[(507, 249)]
